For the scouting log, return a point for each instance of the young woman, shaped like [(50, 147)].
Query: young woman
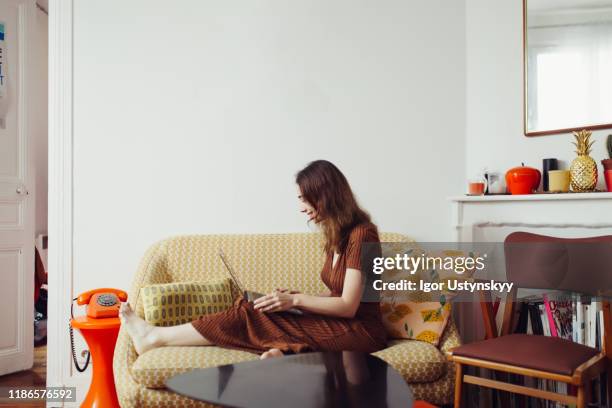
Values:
[(333, 321)]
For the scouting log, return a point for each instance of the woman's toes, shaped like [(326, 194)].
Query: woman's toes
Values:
[(125, 310), (141, 332), (271, 353)]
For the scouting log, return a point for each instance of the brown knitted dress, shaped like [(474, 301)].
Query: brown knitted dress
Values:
[(242, 327)]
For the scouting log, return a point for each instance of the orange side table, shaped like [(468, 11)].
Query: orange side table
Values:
[(101, 337)]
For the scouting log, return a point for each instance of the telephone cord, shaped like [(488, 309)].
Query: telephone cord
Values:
[(76, 364)]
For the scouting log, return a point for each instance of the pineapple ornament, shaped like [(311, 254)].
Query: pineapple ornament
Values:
[(583, 170)]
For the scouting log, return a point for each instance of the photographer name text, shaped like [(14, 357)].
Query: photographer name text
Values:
[(450, 285)]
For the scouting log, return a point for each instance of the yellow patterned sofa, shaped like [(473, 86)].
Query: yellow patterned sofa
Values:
[(263, 262)]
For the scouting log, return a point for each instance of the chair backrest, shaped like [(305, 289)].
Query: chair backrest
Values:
[(581, 265)]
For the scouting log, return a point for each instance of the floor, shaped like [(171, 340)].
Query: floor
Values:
[(36, 376)]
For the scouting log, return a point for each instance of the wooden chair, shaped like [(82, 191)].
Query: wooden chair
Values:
[(582, 266)]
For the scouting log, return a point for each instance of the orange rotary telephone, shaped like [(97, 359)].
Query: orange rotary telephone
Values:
[(101, 303)]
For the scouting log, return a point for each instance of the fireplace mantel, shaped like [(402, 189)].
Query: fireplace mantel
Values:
[(570, 214), (534, 197)]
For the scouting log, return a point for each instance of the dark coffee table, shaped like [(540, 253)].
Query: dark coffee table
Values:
[(339, 379)]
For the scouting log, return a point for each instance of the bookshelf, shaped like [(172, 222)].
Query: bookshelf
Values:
[(492, 218)]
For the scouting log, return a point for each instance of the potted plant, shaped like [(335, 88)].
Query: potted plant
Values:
[(607, 164)]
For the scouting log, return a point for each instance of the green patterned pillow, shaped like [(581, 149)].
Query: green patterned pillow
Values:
[(171, 304)]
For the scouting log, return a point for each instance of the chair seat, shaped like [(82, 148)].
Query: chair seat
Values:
[(551, 354)]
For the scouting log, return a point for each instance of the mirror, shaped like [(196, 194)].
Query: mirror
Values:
[(567, 65)]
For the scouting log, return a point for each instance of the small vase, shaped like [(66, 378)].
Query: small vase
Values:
[(608, 177)]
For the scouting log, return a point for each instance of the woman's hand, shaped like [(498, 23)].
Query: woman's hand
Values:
[(277, 301)]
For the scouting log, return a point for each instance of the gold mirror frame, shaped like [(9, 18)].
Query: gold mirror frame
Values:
[(544, 132)]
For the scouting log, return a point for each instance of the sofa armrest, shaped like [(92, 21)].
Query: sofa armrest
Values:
[(450, 338), (153, 269)]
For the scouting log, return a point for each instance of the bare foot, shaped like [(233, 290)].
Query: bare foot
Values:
[(141, 332), (271, 353)]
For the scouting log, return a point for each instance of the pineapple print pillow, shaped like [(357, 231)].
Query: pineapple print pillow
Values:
[(419, 315), (424, 321)]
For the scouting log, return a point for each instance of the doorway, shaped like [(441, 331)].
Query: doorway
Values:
[(23, 191)]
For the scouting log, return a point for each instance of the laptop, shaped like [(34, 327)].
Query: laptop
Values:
[(249, 295)]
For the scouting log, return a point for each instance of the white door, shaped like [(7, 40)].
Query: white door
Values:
[(16, 194)]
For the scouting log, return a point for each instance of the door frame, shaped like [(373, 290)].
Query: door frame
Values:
[(60, 255)]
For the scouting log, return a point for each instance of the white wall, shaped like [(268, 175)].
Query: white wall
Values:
[(194, 118), (494, 131), (39, 122)]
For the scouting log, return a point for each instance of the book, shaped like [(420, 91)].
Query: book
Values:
[(536, 320), (588, 316), (544, 319), (583, 323), (523, 319), (529, 328), (496, 306), (579, 327), (561, 311), (575, 321), (550, 318), (593, 322)]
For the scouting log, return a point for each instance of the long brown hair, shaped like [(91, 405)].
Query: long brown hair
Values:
[(325, 188)]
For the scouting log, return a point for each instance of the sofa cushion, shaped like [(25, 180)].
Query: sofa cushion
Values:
[(416, 361), (152, 368)]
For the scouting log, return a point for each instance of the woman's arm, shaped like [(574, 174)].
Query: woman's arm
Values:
[(345, 305), (327, 293), (338, 306)]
